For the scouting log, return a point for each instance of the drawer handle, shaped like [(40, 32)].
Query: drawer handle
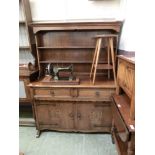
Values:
[(71, 115), (52, 92), (79, 116), (97, 93)]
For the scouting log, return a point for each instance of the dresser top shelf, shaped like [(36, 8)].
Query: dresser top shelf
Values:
[(77, 25), (84, 83)]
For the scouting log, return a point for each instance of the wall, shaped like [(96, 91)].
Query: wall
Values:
[(128, 36), (75, 9), (44, 10)]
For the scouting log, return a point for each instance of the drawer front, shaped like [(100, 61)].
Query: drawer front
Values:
[(54, 92), (104, 94), (119, 124)]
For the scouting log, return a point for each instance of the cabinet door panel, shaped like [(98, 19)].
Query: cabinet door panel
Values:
[(129, 79), (93, 116), (55, 114), (121, 72)]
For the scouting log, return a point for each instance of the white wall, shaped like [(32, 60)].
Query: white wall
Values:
[(128, 36), (53, 10), (75, 9)]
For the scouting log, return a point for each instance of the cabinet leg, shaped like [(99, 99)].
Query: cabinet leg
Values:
[(38, 133), (112, 137), (112, 132)]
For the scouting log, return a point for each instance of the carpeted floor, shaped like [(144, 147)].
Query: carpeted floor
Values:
[(59, 143)]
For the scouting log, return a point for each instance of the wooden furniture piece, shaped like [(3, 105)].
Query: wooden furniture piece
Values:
[(27, 65), (82, 107), (110, 39), (126, 81), (123, 124)]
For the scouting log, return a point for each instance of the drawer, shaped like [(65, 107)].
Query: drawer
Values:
[(54, 92), (104, 94), (120, 127)]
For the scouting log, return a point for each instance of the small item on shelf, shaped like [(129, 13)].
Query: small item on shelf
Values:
[(48, 70), (31, 66), (59, 75), (63, 73)]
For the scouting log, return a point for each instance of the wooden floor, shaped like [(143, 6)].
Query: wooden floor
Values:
[(59, 143)]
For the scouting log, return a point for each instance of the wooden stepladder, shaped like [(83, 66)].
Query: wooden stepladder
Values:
[(111, 54)]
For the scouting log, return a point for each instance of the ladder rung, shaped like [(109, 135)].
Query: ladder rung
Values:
[(104, 66)]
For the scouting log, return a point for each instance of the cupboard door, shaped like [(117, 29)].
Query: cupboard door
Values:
[(55, 115), (94, 116)]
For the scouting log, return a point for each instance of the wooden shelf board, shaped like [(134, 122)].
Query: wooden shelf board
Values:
[(84, 83), (67, 47), (75, 62), (104, 66), (123, 105)]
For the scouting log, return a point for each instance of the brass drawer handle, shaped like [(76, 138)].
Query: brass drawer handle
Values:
[(71, 115), (97, 93), (52, 92), (74, 92), (79, 116)]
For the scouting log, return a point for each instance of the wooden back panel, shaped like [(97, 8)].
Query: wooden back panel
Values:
[(71, 43)]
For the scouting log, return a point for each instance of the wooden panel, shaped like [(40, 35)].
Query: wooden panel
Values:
[(126, 76), (112, 26), (54, 92), (122, 103), (55, 115), (121, 72), (129, 79), (120, 145), (104, 94), (121, 128), (69, 38), (126, 81), (94, 116)]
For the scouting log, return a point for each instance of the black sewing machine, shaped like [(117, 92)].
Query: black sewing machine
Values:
[(59, 73)]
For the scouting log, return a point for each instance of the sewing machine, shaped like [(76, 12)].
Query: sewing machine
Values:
[(59, 73)]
